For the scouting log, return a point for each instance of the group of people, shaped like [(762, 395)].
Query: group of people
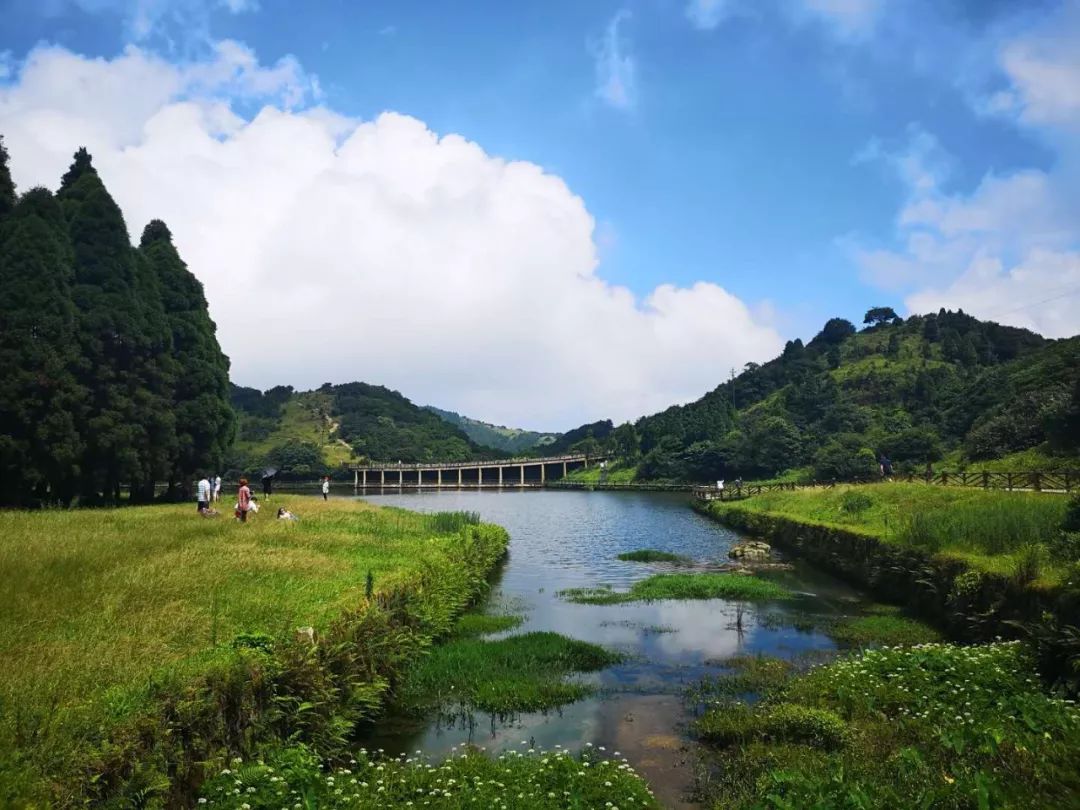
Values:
[(208, 491)]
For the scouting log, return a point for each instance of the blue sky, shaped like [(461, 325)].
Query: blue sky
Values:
[(798, 154)]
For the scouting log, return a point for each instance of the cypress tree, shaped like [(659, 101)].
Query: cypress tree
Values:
[(7, 186), (39, 396), (115, 337), (205, 423)]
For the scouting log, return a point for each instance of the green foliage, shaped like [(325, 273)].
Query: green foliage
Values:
[(205, 423), (855, 502), (736, 587), (916, 390), (522, 673), (111, 371), (529, 780), (932, 725), (889, 628), (450, 522), (650, 555), (880, 316), (7, 185), (845, 458), (297, 459), (40, 398), (158, 620)]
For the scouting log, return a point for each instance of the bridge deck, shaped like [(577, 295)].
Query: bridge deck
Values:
[(377, 466)]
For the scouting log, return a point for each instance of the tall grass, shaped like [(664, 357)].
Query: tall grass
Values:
[(104, 611), (1000, 531), (451, 522)]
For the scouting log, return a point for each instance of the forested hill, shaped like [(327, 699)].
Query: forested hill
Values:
[(941, 386), (306, 433), (510, 440)]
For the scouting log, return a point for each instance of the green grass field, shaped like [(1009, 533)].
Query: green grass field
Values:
[(993, 531), (102, 607)]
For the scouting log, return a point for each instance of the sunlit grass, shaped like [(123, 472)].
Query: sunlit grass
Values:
[(993, 531), (103, 607)]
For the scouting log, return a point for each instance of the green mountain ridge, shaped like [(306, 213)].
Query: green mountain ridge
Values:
[(929, 389), (510, 440)]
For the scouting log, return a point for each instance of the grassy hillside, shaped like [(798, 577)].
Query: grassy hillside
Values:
[(512, 441), (928, 389), (111, 614), (307, 433)]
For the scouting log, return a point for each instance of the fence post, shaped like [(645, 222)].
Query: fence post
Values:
[(944, 479), (1036, 481), (986, 480), (1009, 481)]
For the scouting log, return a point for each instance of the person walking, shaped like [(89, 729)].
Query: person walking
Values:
[(326, 488), (204, 494), (268, 486), (243, 500), (217, 488)]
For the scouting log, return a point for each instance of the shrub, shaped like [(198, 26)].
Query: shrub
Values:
[(730, 724), (855, 502)]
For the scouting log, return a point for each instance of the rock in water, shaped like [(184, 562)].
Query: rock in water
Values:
[(750, 550)]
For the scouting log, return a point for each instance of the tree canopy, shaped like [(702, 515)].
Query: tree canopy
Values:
[(112, 373)]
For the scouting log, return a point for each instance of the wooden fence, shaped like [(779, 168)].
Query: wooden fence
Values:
[(1058, 482)]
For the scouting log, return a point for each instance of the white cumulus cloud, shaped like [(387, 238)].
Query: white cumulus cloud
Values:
[(1008, 249), (334, 249)]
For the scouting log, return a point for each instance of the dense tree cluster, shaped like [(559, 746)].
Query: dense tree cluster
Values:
[(110, 370), (912, 389)]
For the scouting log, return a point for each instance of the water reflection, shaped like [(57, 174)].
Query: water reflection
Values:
[(571, 539)]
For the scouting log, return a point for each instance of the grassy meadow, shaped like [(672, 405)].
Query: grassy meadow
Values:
[(106, 610), (996, 532)]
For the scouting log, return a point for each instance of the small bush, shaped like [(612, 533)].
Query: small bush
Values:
[(452, 522), (855, 502), (1071, 523), (781, 722)]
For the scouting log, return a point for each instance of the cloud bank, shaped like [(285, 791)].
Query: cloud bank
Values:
[(334, 249)]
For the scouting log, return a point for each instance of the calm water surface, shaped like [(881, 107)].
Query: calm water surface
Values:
[(570, 539)]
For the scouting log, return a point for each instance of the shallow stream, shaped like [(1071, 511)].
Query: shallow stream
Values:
[(570, 539)]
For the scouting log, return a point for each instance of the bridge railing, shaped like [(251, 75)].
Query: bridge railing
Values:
[(453, 465)]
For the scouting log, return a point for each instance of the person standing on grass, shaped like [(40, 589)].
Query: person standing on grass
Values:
[(243, 500), (326, 487), (217, 487), (204, 494)]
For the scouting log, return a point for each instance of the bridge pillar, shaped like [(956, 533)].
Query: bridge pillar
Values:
[(500, 475), (543, 472), (355, 478), (564, 469), (459, 476), (440, 477), (522, 479), (382, 478), (365, 479)]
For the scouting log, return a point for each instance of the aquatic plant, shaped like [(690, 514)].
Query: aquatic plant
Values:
[(650, 555), (529, 779), (471, 625), (738, 587), (516, 674)]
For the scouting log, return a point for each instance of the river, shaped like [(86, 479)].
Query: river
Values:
[(570, 539)]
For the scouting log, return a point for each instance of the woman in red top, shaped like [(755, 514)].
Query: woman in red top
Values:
[(243, 500)]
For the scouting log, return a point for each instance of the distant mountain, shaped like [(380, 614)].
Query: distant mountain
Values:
[(306, 433), (509, 440)]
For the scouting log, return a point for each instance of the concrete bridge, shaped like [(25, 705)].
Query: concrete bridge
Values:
[(510, 472)]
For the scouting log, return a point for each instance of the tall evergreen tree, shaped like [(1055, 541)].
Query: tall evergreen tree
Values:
[(205, 423), (40, 399), (116, 338), (7, 185)]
